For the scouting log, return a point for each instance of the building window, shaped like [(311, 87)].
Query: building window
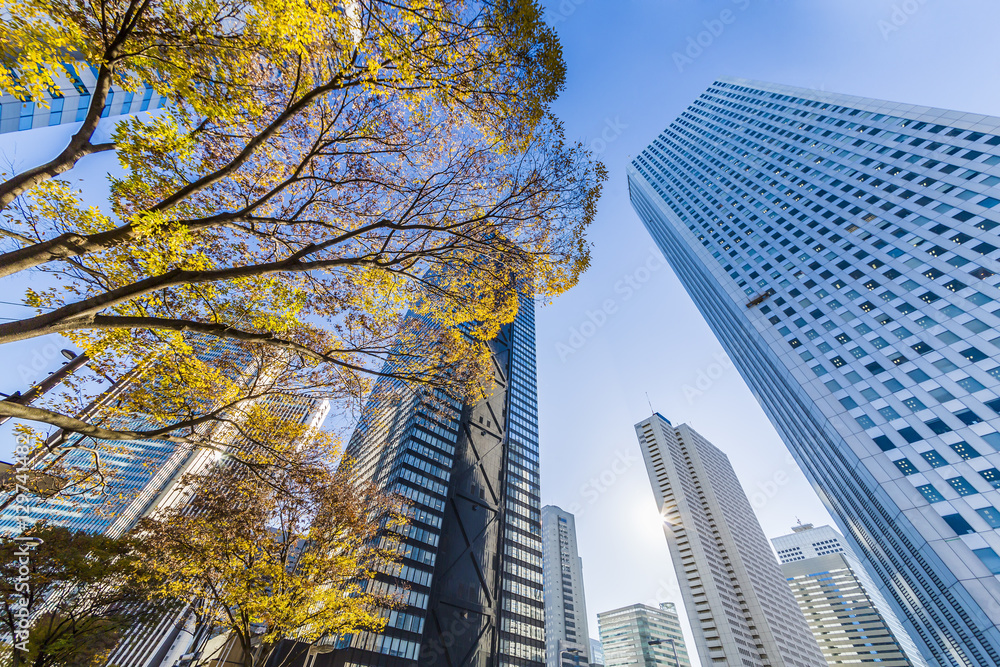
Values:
[(930, 494), (958, 523), (962, 486)]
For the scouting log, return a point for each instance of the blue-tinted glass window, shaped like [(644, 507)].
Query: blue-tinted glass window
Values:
[(893, 385), (992, 439), (884, 443), (992, 476), (990, 559), (968, 417), (941, 395), (965, 450), (914, 404), (974, 354), (958, 524), (848, 402), (930, 493), (888, 413), (909, 434), (865, 421), (970, 385), (906, 467), (938, 426), (935, 459), (990, 515), (962, 486)]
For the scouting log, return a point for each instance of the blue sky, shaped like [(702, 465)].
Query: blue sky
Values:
[(629, 328)]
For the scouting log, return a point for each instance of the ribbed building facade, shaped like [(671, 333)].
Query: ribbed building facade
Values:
[(472, 552), (741, 610), (567, 640), (626, 634), (70, 100), (849, 618), (845, 250)]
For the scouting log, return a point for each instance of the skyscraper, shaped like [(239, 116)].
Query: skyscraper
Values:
[(70, 100), (850, 619), (844, 251), (643, 635), (596, 652), (140, 475), (567, 639), (741, 609), (472, 553)]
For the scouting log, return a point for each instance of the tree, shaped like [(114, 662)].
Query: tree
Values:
[(67, 597), (266, 563), (319, 171)]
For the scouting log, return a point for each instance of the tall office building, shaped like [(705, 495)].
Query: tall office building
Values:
[(596, 652), (70, 100), (850, 619), (844, 251), (643, 635), (140, 475), (567, 640), (741, 609), (472, 553)]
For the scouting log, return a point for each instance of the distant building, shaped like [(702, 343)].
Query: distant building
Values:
[(741, 609), (626, 634), (71, 100), (596, 652), (847, 614), (567, 640)]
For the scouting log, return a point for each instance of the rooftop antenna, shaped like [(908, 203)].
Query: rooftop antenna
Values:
[(651, 410)]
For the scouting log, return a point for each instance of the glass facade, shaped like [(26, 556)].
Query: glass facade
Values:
[(69, 101), (844, 250), (471, 556), (139, 474), (626, 634)]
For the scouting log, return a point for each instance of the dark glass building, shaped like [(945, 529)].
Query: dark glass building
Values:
[(472, 552)]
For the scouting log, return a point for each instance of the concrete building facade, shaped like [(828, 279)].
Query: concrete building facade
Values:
[(741, 609), (567, 639), (849, 618)]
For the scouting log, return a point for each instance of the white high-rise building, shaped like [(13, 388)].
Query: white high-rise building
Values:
[(846, 253), (741, 609), (69, 101), (567, 641), (850, 619)]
